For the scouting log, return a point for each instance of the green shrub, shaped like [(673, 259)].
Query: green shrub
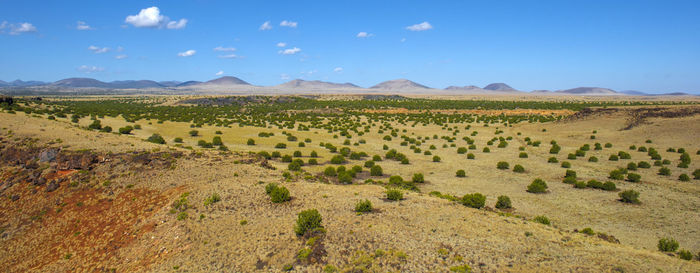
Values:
[(486, 150), (329, 171), (632, 166), (194, 133), (570, 173), (502, 165), (279, 195), (461, 173), (592, 159), (436, 159), (552, 160), (588, 231), (394, 194), (696, 174), (613, 158), (665, 171), (212, 199), (537, 186), (667, 245), (156, 138), (307, 220), (503, 202), (474, 200), (542, 220), (470, 156), (250, 142), (609, 186), (580, 185), (177, 140), (345, 177), (375, 170), (617, 174), (461, 150), (633, 177), (566, 164), (608, 145), (338, 159), (418, 178), (594, 184), (685, 255), (518, 168), (569, 180), (684, 177), (294, 166), (571, 156), (643, 165), (217, 141), (106, 129), (287, 158), (629, 196), (280, 146), (522, 155), (126, 130), (363, 206)]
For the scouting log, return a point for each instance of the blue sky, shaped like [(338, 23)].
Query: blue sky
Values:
[(651, 46)]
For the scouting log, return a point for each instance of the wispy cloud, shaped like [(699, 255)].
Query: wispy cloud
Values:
[(284, 77), (221, 72), (89, 69), (228, 56), (363, 34), (83, 26), (121, 57), (403, 40), (17, 29), (286, 23), (266, 26), (225, 49), (420, 27), (187, 53), (151, 18), (281, 44), (97, 49), (290, 51), (338, 69)]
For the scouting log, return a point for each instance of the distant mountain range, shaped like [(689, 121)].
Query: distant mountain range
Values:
[(233, 85)]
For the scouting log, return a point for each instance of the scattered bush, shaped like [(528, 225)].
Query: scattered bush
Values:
[(633, 177), (552, 160), (279, 195), (329, 171), (461, 173), (503, 202), (684, 177), (126, 130), (470, 156), (629, 196), (522, 155), (665, 171), (474, 200), (363, 206), (613, 158), (566, 164), (194, 133), (436, 159), (177, 140), (537, 186), (502, 165), (667, 245), (542, 220), (518, 168), (394, 194), (250, 142), (418, 178), (592, 159), (580, 185), (338, 159), (308, 220), (685, 255), (617, 174), (609, 186), (156, 138), (375, 170), (212, 199)]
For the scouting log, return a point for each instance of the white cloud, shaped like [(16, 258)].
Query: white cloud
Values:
[(187, 53), (284, 77), (83, 26), (121, 57), (221, 48), (286, 23), (16, 29), (420, 27), (363, 34), (151, 17), (89, 69), (403, 40), (338, 69), (221, 72), (228, 56), (281, 44), (177, 24), (97, 49), (265, 26), (290, 51)]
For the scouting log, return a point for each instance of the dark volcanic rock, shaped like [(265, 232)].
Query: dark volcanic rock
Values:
[(48, 155), (52, 186)]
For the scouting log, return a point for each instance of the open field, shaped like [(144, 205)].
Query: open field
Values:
[(232, 153)]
